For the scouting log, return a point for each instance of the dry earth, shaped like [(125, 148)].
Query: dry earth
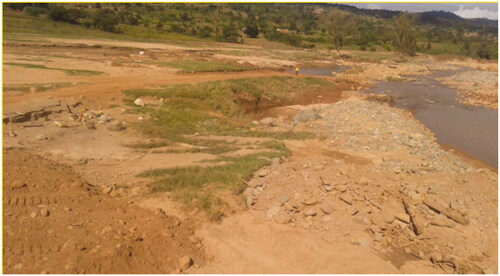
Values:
[(374, 186)]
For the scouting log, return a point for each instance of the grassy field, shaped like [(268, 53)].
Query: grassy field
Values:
[(20, 27), (213, 108), (192, 66), (71, 72), (38, 87)]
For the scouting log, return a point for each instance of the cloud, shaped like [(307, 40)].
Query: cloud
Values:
[(372, 6), (476, 12)]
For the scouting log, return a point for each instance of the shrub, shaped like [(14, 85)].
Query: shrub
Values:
[(107, 21)]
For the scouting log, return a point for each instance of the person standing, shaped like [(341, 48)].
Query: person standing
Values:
[(297, 70)]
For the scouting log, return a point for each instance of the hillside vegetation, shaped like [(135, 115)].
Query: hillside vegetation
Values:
[(299, 25)]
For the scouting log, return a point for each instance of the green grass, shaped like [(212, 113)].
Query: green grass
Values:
[(192, 66), (199, 186), (39, 87), (71, 72), (214, 108), (21, 27)]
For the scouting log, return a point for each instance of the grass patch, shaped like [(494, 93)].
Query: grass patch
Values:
[(38, 87), (192, 66), (71, 72), (199, 186), (214, 108)]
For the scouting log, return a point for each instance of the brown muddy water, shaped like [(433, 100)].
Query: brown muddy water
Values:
[(473, 130)]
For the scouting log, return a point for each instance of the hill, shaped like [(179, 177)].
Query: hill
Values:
[(298, 25)]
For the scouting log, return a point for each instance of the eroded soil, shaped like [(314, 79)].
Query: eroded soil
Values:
[(374, 186)]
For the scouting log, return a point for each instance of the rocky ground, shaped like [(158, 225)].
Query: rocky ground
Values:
[(381, 182), (476, 87), (373, 186)]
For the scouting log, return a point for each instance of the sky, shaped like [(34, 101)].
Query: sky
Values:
[(465, 10)]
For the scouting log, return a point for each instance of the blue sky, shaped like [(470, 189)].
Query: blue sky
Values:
[(465, 10)]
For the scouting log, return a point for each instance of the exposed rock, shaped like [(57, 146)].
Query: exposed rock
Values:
[(264, 172), (107, 190), (44, 212), (104, 118), (249, 201), (309, 212), (41, 137), (346, 198), (139, 102), (327, 207), (271, 122), (185, 263), (116, 125), (282, 218)]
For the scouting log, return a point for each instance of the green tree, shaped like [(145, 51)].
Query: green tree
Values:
[(106, 20), (252, 30), (466, 50), (337, 25), (404, 34)]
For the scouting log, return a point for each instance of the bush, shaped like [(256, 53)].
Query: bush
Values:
[(230, 34), (34, 11), (60, 13), (252, 30), (106, 20), (205, 32), (289, 39)]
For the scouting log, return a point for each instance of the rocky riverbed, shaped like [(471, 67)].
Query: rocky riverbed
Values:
[(380, 181)]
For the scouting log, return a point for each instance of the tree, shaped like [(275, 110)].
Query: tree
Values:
[(404, 34), (107, 21), (337, 23), (252, 30), (466, 50)]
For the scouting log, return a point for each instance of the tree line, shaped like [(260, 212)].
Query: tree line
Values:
[(298, 25)]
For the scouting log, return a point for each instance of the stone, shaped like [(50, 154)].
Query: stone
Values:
[(90, 125), (327, 207), (107, 190), (185, 263), (264, 172), (282, 218), (249, 201), (346, 198), (341, 188), (41, 137), (18, 185), (104, 118), (11, 133), (271, 122), (44, 212), (194, 239), (116, 125), (139, 102), (309, 212), (363, 181), (273, 211), (310, 201), (34, 215), (275, 162), (360, 238)]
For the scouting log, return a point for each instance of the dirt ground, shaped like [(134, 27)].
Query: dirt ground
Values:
[(374, 192)]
